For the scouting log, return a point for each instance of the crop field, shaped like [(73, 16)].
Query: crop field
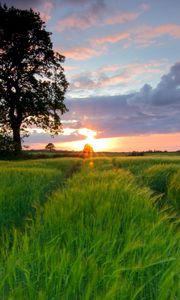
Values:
[(103, 228)]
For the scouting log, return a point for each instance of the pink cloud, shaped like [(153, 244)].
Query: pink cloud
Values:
[(109, 68), (122, 18), (81, 53), (111, 38), (76, 22), (129, 72), (125, 17), (126, 74), (94, 17), (114, 80), (46, 11), (145, 36)]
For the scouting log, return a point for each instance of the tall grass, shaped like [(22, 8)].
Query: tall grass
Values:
[(174, 191), (153, 172), (99, 238), (25, 185), (137, 165), (158, 176)]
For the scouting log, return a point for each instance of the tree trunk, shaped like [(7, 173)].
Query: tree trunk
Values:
[(17, 139)]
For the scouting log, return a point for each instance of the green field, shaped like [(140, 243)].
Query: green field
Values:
[(106, 228)]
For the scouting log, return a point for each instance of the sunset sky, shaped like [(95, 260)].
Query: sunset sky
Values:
[(123, 66)]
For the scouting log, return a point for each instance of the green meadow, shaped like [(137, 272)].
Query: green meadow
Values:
[(103, 228)]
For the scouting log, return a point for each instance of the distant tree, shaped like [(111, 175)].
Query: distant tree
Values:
[(136, 153), (32, 80), (88, 151), (26, 147), (50, 147)]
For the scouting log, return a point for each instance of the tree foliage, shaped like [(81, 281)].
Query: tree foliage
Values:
[(32, 80), (6, 144)]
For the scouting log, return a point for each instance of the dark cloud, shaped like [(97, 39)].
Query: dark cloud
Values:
[(167, 92)]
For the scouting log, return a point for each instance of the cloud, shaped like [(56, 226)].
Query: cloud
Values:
[(125, 17), (143, 36), (147, 35), (22, 4), (75, 22), (95, 3), (115, 75), (149, 111), (81, 20), (114, 38), (74, 2), (167, 92), (122, 18), (80, 53), (44, 7), (46, 10), (95, 13)]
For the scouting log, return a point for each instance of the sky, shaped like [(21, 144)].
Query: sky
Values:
[(123, 68)]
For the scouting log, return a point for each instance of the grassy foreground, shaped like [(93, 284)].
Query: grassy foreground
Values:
[(101, 236), (26, 185)]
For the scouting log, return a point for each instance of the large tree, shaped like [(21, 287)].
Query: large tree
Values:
[(32, 80)]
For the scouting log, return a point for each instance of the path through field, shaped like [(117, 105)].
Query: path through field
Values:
[(110, 230)]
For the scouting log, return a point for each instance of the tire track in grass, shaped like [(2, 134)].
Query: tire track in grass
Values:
[(159, 175)]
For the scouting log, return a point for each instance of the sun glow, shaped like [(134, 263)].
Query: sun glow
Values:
[(90, 135), (97, 144)]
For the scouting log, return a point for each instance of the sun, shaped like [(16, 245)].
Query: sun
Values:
[(89, 137), (97, 144)]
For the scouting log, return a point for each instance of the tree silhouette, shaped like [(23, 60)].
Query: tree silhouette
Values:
[(32, 80), (50, 147)]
